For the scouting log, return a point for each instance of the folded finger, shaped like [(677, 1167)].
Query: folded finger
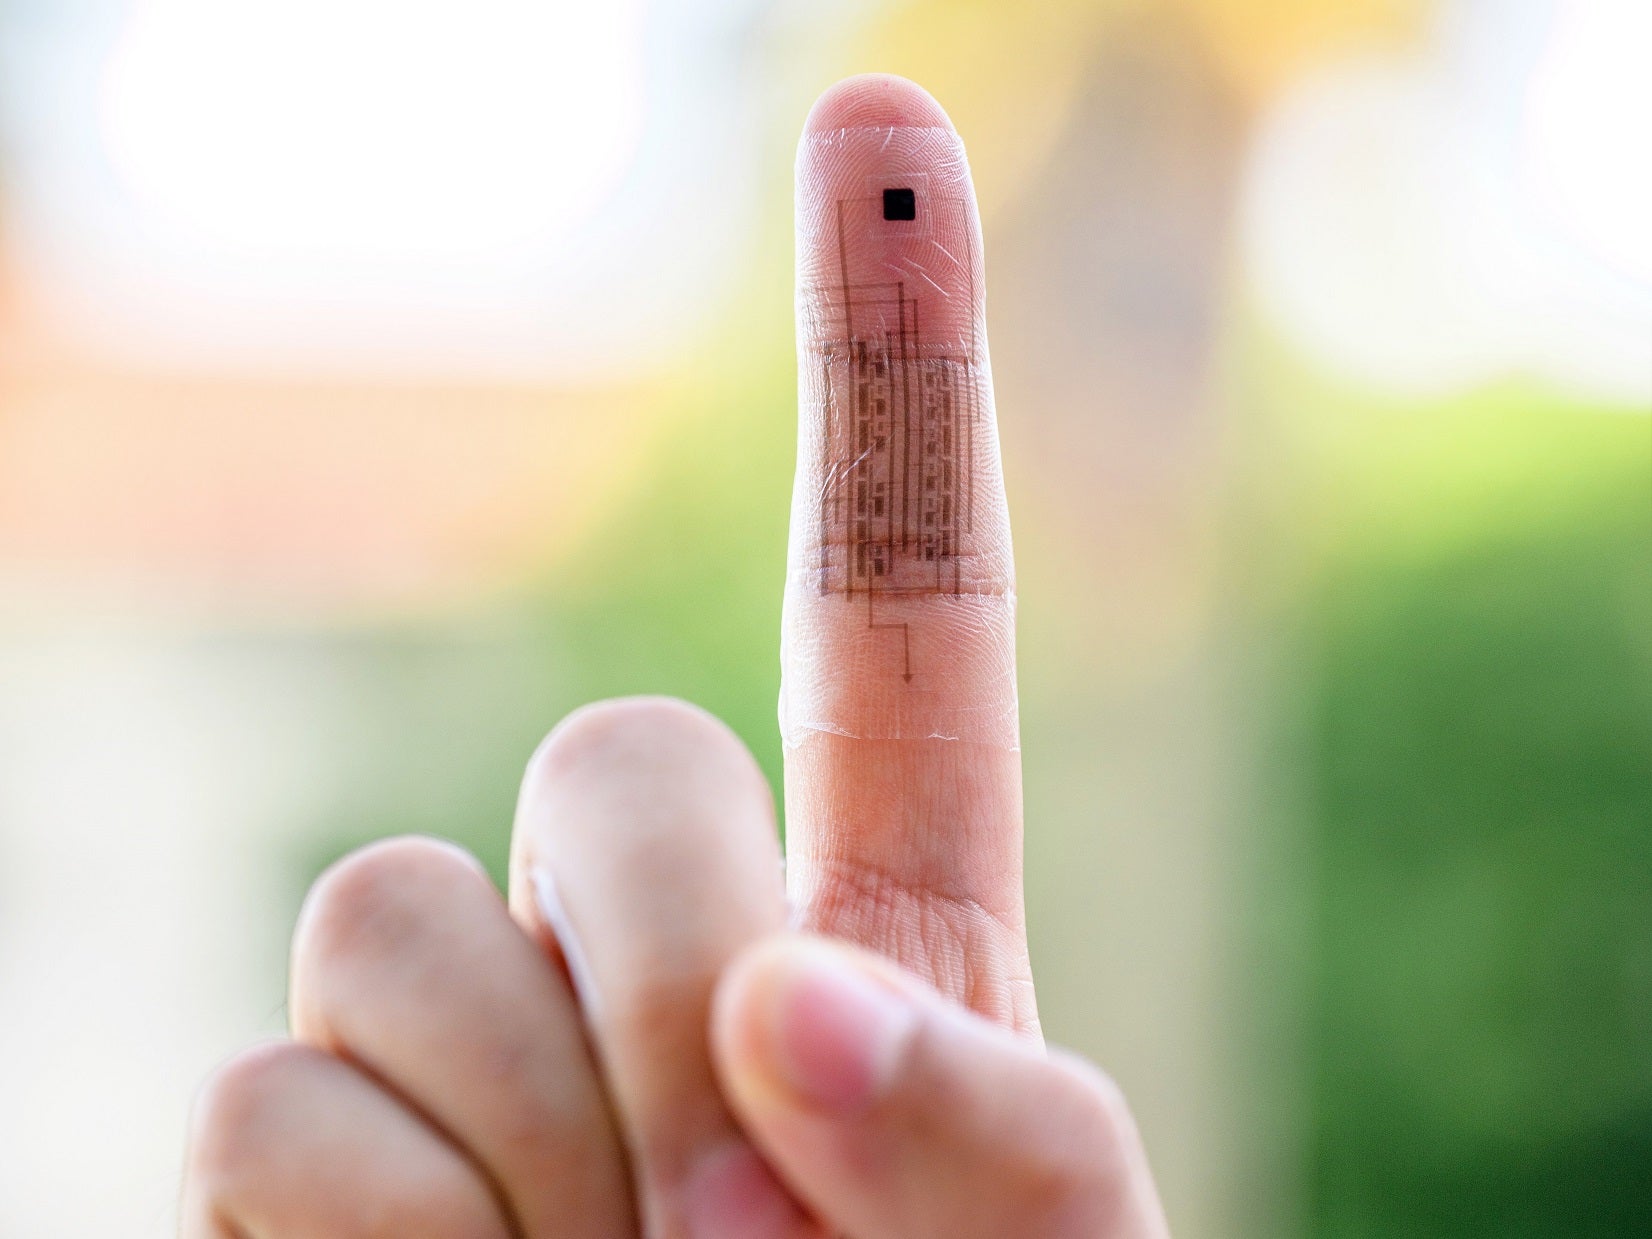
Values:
[(289, 1142), (645, 848), (407, 963)]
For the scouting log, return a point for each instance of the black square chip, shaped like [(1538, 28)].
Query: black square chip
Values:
[(899, 204)]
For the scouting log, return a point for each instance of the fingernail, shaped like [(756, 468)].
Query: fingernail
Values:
[(732, 1194), (555, 916), (837, 1032)]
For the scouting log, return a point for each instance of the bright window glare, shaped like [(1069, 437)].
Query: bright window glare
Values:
[(1476, 209), (512, 189), (1583, 143), (370, 130)]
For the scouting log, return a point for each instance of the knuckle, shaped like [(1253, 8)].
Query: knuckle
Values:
[(370, 901), (1082, 1177), (1104, 1129), (443, 1205), (252, 1144), (637, 733), (232, 1117), (622, 726)]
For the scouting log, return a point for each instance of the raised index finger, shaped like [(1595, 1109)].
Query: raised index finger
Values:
[(898, 704)]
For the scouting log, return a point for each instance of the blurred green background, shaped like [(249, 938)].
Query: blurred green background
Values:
[(1323, 344)]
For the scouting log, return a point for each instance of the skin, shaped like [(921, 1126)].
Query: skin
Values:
[(657, 1035)]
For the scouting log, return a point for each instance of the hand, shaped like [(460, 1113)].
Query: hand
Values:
[(646, 1041)]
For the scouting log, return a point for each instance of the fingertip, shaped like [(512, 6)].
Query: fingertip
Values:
[(619, 752), (811, 1025), (739, 1019), (602, 732), (875, 101)]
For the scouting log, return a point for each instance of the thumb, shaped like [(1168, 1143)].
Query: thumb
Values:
[(898, 1115)]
